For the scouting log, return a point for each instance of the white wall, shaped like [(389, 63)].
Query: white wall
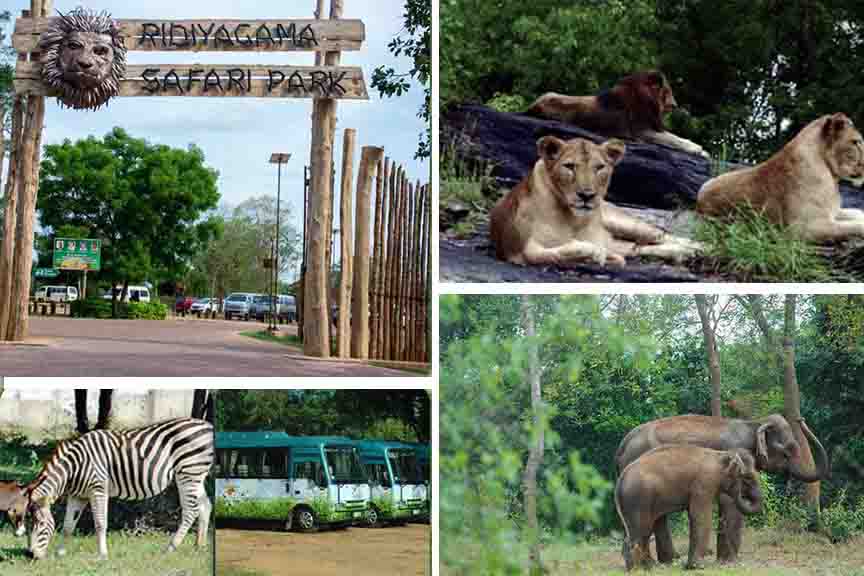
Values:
[(51, 413)]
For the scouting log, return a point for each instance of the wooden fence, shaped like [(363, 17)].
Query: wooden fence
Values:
[(387, 273)]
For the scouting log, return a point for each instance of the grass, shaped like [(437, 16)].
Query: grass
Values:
[(138, 555), (463, 182), (287, 340), (764, 553), (750, 247)]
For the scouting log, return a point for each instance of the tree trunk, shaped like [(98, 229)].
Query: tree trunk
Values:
[(83, 425), (346, 274), (199, 403), (710, 352), (104, 409), (535, 456), (792, 402)]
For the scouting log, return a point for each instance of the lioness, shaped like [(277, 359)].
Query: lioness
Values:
[(558, 213), (799, 185), (634, 108)]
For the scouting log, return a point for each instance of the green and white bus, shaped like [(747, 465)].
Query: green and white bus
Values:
[(399, 491), (303, 481)]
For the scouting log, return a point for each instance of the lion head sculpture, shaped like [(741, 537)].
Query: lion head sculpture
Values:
[(84, 58)]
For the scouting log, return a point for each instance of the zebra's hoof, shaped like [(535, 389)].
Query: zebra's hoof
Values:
[(170, 548)]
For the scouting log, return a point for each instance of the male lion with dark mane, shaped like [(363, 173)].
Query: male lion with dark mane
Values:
[(558, 213), (633, 108), (799, 185)]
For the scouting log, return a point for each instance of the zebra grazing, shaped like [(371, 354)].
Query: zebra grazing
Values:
[(131, 465)]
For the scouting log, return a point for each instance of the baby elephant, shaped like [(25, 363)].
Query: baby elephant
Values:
[(681, 477)]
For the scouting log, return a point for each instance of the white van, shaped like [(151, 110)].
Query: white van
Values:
[(56, 294), (133, 294)]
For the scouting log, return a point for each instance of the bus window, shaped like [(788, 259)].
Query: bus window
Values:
[(274, 463), (378, 474), (312, 471)]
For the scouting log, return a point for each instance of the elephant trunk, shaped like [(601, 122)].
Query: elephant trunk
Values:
[(749, 498), (821, 468)]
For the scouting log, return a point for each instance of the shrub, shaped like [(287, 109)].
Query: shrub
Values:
[(146, 311), (508, 102), (92, 308), (839, 522)]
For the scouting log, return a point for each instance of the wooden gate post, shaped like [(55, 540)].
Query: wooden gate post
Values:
[(345, 255), (10, 217), (27, 178), (369, 159), (316, 332), (378, 259)]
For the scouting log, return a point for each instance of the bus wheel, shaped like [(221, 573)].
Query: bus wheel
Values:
[(373, 518), (305, 520)]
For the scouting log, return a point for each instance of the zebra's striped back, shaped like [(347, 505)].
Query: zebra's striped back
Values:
[(131, 465)]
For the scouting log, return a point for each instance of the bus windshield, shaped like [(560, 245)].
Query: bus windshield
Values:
[(344, 464), (404, 465)]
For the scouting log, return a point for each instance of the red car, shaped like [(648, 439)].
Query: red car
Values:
[(183, 306)]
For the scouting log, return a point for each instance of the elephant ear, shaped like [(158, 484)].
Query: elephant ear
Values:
[(761, 444)]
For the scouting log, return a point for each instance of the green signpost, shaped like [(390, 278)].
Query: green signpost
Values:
[(46, 273), (77, 254)]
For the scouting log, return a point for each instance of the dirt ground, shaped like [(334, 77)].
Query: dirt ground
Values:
[(397, 550)]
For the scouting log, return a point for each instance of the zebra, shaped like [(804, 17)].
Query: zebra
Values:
[(131, 465)]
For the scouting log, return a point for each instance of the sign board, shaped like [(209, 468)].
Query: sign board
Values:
[(337, 82), (77, 253), (46, 273), (217, 35)]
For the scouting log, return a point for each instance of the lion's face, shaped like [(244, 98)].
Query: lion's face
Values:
[(844, 148), (86, 58), (83, 58), (579, 170)]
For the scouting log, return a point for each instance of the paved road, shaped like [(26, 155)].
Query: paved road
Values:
[(86, 347)]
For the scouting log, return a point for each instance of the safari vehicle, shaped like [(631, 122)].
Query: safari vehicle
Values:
[(302, 481), (133, 293), (56, 294), (399, 491)]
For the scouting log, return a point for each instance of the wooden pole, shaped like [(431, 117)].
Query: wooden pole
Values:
[(345, 276), (400, 271), (390, 311), (415, 275), (369, 159), (425, 285), (28, 186), (10, 217), (427, 316), (316, 340), (378, 258), (409, 271)]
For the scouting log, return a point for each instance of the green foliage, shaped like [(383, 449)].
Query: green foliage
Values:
[(508, 102), (752, 248), (841, 521), (146, 202), (146, 311), (275, 509), (415, 42), (93, 308)]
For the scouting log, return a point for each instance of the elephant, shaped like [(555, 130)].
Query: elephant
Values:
[(769, 440), (678, 477)]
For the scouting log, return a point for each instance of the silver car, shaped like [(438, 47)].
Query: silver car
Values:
[(239, 304)]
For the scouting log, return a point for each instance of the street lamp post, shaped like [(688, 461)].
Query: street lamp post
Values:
[(277, 158)]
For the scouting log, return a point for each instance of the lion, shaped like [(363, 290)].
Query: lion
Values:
[(558, 213), (798, 186), (83, 58), (633, 109)]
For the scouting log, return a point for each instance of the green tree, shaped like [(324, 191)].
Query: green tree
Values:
[(414, 42), (144, 201)]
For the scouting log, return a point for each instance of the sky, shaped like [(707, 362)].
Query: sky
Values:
[(237, 135)]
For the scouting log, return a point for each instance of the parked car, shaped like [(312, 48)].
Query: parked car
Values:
[(56, 294), (181, 306), (238, 304), (261, 307), (202, 305), (287, 308), (133, 293)]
